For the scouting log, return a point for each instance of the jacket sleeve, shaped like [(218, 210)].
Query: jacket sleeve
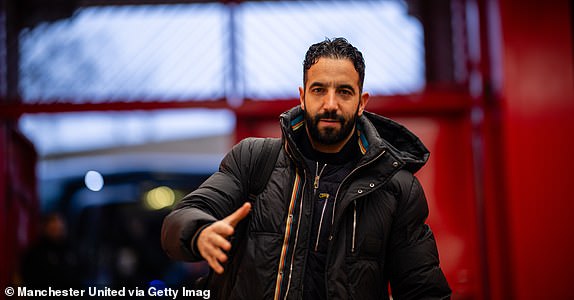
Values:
[(220, 195), (413, 261)]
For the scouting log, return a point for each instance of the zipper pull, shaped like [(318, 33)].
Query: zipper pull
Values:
[(318, 175), (326, 197), (316, 182)]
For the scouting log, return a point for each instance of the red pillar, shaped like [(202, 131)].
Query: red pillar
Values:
[(537, 109)]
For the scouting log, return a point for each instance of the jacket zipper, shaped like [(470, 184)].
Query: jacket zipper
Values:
[(317, 177), (335, 205), (296, 234), (354, 225), (347, 177), (337, 196), (321, 223), (315, 187)]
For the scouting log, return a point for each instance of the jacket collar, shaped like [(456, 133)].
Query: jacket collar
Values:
[(376, 134)]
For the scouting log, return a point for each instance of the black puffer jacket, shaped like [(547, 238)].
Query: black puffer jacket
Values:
[(378, 233)]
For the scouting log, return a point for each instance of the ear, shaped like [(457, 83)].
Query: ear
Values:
[(302, 97), (363, 100)]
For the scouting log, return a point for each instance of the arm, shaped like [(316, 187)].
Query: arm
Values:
[(218, 197), (413, 262)]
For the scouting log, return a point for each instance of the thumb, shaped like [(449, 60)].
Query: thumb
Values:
[(238, 215)]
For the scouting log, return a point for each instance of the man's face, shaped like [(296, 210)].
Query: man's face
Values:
[(332, 102)]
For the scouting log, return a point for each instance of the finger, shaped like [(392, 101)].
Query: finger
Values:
[(210, 239), (222, 228), (219, 255), (219, 241), (238, 215), (216, 259), (214, 264)]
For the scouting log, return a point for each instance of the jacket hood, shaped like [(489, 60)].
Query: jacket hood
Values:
[(395, 137), (376, 133)]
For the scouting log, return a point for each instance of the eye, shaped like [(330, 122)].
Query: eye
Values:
[(317, 90), (346, 92)]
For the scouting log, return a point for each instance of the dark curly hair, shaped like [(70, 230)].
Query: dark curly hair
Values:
[(338, 48)]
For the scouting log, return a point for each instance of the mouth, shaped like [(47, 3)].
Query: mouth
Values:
[(329, 122)]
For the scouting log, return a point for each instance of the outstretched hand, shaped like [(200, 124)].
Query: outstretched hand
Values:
[(212, 241)]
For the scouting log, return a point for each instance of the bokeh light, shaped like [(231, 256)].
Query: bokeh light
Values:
[(94, 181), (159, 198)]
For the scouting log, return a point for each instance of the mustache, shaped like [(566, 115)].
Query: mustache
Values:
[(331, 115)]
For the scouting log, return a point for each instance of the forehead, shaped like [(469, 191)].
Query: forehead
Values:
[(330, 70)]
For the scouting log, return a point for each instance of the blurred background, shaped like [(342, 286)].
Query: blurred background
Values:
[(112, 110)]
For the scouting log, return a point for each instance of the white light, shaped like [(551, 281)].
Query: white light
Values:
[(94, 181)]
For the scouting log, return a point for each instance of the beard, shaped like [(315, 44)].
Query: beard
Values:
[(330, 135)]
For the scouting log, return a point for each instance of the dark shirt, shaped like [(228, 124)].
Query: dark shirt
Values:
[(331, 169)]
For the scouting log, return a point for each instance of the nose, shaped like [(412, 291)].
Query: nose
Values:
[(330, 103)]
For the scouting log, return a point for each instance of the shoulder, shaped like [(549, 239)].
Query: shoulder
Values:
[(411, 199), (248, 152), (401, 182), (253, 146), (243, 152)]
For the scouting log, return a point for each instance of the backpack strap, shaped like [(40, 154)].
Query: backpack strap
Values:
[(259, 176), (264, 166)]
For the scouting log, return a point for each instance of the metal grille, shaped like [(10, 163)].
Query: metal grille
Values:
[(277, 35), (141, 52), (211, 51)]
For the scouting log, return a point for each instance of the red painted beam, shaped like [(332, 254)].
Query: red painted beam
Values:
[(428, 102), (15, 110)]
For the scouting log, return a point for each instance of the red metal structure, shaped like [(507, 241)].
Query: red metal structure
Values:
[(536, 108), (499, 175)]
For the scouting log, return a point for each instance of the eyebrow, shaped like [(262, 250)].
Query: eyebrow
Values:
[(347, 86), (341, 86), (317, 83)]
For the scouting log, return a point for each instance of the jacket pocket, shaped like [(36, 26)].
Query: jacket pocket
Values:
[(258, 267), (365, 279), (371, 247)]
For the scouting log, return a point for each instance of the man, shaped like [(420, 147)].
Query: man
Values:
[(341, 215)]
